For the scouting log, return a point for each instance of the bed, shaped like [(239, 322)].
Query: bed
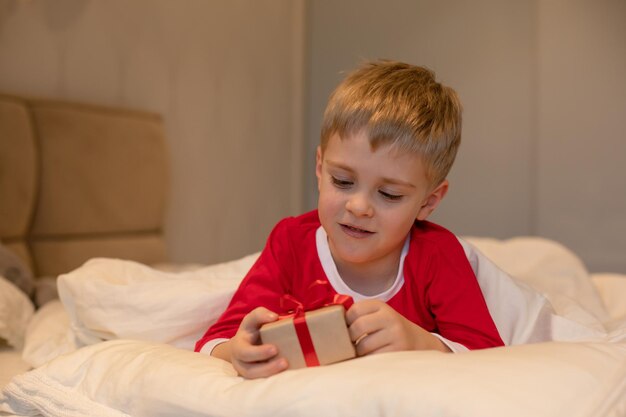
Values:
[(117, 343), (69, 182)]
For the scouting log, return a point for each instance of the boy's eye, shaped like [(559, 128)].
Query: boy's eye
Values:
[(389, 196), (341, 183)]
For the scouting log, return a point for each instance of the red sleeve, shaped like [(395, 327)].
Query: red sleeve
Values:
[(456, 301), (262, 286)]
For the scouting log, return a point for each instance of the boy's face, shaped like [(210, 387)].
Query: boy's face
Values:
[(368, 200)]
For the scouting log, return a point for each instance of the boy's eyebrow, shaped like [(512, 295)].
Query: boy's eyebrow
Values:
[(398, 182), (387, 180)]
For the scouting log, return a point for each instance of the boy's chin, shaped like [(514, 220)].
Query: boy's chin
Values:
[(350, 256)]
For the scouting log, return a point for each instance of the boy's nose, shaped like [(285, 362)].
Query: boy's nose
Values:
[(359, 205)]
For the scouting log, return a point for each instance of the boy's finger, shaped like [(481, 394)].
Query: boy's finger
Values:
[(382, 349), (263, 369), (361, 308), (256, 353), (366, 324), (371, 343), (257, 317)]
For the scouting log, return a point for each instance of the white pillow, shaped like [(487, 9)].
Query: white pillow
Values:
[(16, 311), (612, 289), (48, 335), (548, 267), (124, 378), (117, 299)]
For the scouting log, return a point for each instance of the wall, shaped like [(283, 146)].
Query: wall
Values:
[(544, 93), (542, 84), (227, 77), (580, 190)]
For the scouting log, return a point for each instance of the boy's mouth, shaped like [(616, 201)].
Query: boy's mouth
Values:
[(355, 231)]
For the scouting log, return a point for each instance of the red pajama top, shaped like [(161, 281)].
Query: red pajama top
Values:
[(440, 292)]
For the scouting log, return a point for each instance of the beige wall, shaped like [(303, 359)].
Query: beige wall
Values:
[(544, 91), (581, 106), (542, 83), (226, 75)]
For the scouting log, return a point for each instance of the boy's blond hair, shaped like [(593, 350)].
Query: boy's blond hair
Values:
[(400, 104)]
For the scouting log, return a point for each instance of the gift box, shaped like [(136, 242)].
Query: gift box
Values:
[(317, 337)]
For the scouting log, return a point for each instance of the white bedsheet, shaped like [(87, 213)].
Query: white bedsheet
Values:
[(122, 377)]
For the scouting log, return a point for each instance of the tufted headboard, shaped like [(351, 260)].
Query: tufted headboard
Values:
[(79, 181)]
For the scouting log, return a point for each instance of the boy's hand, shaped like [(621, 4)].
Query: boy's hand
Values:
[(379, 328), (250, 358)]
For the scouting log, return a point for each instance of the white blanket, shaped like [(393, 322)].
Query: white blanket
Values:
[(158, 376), (132, 378)]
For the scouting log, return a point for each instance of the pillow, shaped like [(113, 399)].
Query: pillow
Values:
[(16, 311), (15, 270), (612, 288), (549, 268), (119, 299), (48, 335)]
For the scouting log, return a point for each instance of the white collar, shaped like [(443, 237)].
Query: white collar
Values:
[(329, 267)]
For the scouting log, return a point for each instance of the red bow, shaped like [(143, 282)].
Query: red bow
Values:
[(320, 295)]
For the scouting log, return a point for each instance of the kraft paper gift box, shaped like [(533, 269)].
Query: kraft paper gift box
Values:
[(328, 333)]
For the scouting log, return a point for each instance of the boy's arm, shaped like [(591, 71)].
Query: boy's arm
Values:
[(457, 302), (375, 327), (441, 280), (222, 351)]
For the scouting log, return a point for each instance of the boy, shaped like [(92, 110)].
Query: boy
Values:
[(389, 137)]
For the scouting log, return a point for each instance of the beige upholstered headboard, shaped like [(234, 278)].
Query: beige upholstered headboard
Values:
[(79, 181)]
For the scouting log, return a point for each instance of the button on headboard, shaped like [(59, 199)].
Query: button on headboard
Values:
[(79, 181)]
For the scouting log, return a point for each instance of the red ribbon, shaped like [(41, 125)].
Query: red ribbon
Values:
[(320, 295)]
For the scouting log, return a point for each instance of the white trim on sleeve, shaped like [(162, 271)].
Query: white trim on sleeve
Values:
[(453, 346), (208, 347)]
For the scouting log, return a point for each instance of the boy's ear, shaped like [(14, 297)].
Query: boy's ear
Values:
[(432, 200), (318, 166)]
